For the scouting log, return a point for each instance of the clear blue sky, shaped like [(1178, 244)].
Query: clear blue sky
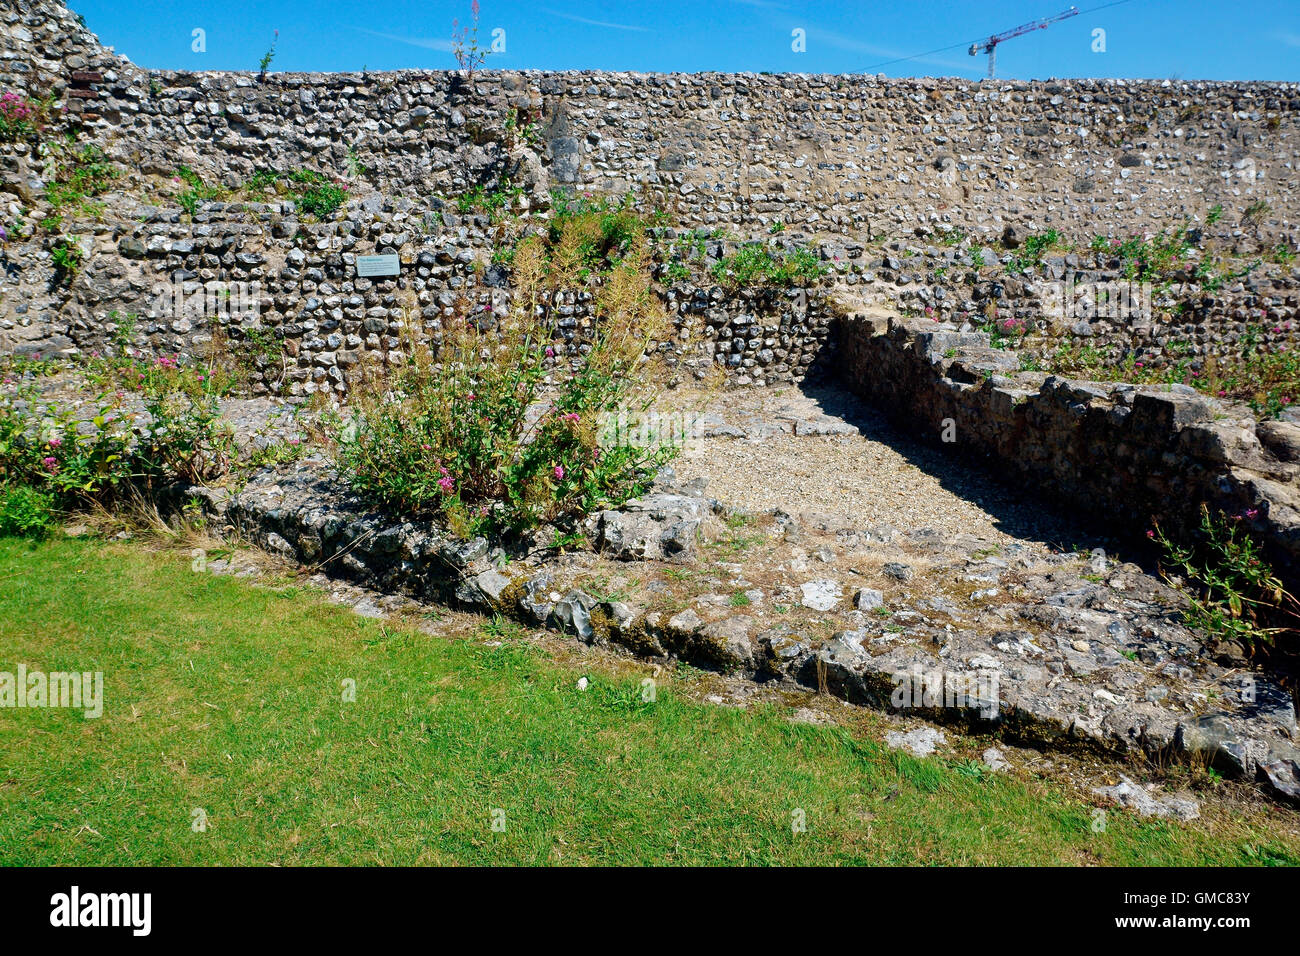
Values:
[(1189, 39)]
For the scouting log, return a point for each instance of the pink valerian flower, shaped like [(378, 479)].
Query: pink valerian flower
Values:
[(15, 109), (572, 417), (559, 472), (470, 397), (51, 464), (55, 442), (550, 352), (446, 484)]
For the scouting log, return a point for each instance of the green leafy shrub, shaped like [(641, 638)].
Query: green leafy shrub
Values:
[(755, 265), (25, 512), (1234, 592), (81, 456), (446, 434), (66, 255)]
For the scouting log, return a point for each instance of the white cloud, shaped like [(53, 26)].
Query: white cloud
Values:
[(842, 42), (595, 23), (427, 43)]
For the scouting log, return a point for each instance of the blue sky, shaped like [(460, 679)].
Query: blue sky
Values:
[(1189, 39)]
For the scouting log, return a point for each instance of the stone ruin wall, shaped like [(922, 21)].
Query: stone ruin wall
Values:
[(1120, 455), (838, 160)]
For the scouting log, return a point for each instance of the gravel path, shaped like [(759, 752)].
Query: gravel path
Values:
[(822, 452)]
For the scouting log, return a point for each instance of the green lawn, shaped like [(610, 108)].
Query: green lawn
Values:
[(227, 697)]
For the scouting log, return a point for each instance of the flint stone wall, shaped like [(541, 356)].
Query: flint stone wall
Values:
[(1124, 454)]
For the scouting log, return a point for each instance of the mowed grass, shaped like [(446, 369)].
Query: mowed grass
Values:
[(227, 697)]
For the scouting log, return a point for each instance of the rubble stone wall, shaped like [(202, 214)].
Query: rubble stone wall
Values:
[(1126, 455)]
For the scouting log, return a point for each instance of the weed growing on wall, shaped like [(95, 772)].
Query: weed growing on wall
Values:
[(1234, 593), (196, 191), (66, 257), (755, 265), (1266, 380), (1032, 251), (21, 117), (74, 177)]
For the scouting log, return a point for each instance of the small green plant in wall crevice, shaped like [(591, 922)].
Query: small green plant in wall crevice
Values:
[(66, 255)]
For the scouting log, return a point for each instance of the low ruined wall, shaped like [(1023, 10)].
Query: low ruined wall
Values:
[(1126, 455), (287, 290), (1183, 320)]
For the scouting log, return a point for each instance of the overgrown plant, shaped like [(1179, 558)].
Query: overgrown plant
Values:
[(264, 64), (754, 264), (1234, 593), (71, 457), (447, 433), (21, 118), (464, 43)]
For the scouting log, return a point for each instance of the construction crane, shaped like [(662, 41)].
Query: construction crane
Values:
[(990, 46)]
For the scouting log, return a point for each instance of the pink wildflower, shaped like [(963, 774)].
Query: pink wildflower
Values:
[(446, 484), (559, 472)]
